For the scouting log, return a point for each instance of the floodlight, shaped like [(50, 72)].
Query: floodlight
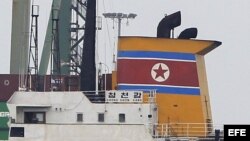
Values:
[(131, 15)]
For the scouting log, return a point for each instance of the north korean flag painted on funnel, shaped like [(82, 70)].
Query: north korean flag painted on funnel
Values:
[(166, 72)]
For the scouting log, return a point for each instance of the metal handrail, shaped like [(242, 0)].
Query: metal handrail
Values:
[(184, 130)]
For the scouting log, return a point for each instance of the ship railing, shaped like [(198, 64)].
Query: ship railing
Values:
[(184, 130), (95, 96), (144, 96), (149, 95)]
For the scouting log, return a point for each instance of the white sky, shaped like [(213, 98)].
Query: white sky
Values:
[(228, 66)]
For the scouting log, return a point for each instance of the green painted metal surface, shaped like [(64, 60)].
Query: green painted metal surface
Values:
[(20, 36), (4, 119), (44, 63), (46, 50), (64, 7), (65, 35)]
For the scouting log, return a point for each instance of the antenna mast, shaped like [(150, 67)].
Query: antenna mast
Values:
[(32, 80), (55, 54)]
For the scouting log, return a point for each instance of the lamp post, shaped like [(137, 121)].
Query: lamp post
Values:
[(119, 16), (105, 76)]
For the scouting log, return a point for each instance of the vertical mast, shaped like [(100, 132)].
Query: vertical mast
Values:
[(20, 36), (55, 53), (20, 39), (32, 81), (88, 68)]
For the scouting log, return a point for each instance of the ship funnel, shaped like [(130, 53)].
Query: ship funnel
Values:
[(188, 33), (167, 24)]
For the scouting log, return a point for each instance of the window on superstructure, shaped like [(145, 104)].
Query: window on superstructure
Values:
[(122, 117), (79, 117), (17, 132), (34, 117), (100, 117)]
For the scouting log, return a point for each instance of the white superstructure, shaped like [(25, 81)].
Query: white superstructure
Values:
[(74, 116)]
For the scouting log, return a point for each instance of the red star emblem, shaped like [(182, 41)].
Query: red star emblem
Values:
[(160, 72)]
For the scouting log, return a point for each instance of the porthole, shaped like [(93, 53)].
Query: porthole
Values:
[(6, 82)]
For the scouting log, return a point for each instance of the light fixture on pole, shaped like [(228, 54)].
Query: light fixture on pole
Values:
[(119, 16), (105, 76)]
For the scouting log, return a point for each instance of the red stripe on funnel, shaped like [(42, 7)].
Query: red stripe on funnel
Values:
[(137, 71)]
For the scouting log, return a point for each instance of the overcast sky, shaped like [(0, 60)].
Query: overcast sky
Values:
[(228, 66)]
